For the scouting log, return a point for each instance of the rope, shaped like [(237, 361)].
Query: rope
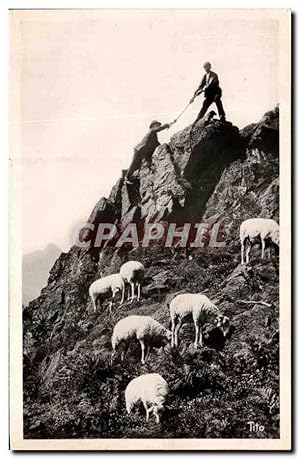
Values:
[(180, 114)]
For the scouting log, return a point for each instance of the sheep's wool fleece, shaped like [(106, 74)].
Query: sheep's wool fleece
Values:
[(132, 269), (150, 387), (193, 304), (137, 326), (254, 227), (103, 285)]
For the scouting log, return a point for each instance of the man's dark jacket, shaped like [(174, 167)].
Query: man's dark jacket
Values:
[(213, 89)]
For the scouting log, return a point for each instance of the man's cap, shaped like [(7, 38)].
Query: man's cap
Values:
[(206, 64), (153, 123)]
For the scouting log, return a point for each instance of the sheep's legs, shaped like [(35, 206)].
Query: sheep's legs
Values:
[(123, 295), (173, 333), (196, 336), (139, 291), (177, 328), (128, 296), (112, 356), (155, 411), (143, 347), (263, 244), (248, 252), (132, 291), (148, 350), (148, 409), (125, 349), (94, 303), (200, 336), (111, 303), (128, 409), (242, 252)]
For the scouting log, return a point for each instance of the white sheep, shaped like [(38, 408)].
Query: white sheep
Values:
[(146, 330), (201, 309), (109, 284), (151, 389), (133, 273), (254, 228)]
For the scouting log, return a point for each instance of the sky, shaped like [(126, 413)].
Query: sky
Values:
[(91, 82)]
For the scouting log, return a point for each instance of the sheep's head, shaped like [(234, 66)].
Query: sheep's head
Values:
[(160, 404), (275, 237), (168, 335), (223, 323), (163, 340), (160, 408)]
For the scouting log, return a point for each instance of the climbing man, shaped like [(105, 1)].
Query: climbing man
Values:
[(212, 93), (146, 148)]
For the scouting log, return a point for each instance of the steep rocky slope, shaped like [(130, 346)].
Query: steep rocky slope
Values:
[(214, 173), (177, 183)]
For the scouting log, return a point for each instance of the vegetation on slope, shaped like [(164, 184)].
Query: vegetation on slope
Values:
[(215, 391)]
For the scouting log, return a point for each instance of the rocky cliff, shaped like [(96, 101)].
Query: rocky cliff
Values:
[(213, 173), (178, 182)]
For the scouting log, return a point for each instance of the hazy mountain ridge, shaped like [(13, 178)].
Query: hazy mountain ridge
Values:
[(35, 268)]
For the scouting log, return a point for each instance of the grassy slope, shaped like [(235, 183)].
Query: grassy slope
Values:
[(214, 392)]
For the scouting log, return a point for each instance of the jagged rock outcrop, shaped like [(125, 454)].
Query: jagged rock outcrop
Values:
[(249, 187), (178, 182), (263, 137), (211, 173)]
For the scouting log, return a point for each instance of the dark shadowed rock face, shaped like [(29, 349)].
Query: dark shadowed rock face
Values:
[(250, 187), (264, 136), (214, 173), (200, 157)]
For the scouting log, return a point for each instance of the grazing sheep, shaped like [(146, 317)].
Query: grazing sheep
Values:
[(133, 273), (263, 228), (146, 330), (113, 283), (152, 389), (202, 311)]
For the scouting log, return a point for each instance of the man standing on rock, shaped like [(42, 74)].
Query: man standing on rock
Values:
[(212, 93), (146, 148)]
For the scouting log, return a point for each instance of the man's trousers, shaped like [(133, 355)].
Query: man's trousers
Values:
[(207, 103)]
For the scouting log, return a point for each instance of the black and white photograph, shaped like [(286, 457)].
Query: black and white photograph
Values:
[(150, 222)]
